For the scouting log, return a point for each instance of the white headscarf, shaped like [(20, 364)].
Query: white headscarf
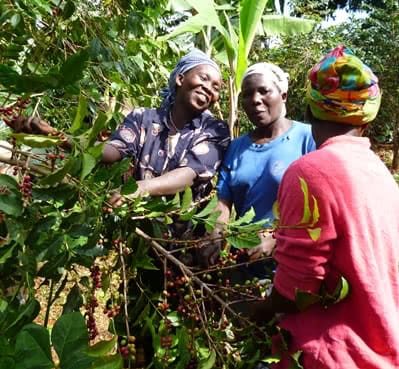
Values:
[(271, 72)]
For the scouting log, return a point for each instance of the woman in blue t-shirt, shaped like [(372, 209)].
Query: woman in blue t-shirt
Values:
[(256, 161)]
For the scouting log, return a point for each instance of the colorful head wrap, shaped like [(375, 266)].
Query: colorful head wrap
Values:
[(194, 58), (271, 72), (342, 89)]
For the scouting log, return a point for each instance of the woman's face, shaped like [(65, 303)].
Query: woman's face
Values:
[(262, 100), (199, 87)]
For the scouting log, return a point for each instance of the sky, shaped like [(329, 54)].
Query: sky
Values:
[(342, 15)]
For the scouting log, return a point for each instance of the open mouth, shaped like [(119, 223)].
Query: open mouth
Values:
[(202, 97)]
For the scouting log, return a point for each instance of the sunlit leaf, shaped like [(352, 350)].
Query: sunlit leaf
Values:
[(102, 348), (295, 357), (80, 114), (88, 164), (250, 17), (342, 290), (314, 233), (209, 362), (276, 210), (15, 20), (316, 213), (208, 209), (37, 141), (99, 124), (272, 359), (244, 241), (246, 218), (306, 209), (187, 200), (282, 25)]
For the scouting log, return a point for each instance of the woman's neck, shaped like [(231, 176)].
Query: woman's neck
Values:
[(179, 117), (261, 135)]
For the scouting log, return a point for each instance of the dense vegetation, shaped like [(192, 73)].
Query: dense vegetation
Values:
[(82, 65)]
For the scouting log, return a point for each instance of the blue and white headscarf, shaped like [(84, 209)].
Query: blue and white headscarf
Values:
[(194, 58)]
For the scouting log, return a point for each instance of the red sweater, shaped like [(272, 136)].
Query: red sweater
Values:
[(358, 202)]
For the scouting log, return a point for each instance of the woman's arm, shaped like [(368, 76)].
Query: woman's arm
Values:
[(209, 252), (167, 184)]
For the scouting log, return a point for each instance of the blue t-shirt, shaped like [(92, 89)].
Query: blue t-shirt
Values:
[(251, 173)]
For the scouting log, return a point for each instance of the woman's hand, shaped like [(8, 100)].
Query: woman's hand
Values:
[(209, 251), (34, 125), (265, 248)]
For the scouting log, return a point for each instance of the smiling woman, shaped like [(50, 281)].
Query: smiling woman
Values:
[(255, 162)]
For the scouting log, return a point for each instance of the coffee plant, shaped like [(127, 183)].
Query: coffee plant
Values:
[(162, 311)]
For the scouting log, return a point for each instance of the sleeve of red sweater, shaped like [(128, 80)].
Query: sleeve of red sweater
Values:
[(303, 262)]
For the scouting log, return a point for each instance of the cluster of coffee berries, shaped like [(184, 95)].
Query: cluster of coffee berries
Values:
[(111, 310), (127, 347), (96, 276), (12, 112), (90, 320), (166, 342), (25, 186)]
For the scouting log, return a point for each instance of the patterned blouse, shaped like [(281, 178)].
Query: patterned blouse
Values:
[(200, 145)]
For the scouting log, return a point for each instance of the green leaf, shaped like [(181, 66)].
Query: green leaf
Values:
[(70, 339), (316, 213), (25, 314), (189, 215), (72, 69), (8, 76), (276, 210), (295, 357), (187, 200), (80, 114), (11, 204), (32, 348), (15, 20), (74, 300), (88, 164), (9, 182), (6, 252), (99, 124), (7, 363), (36, 141), (314, 233), (50, 269), (209, 362), (207, 16), (10, 196), (306, 209), (102, 348), (250, 17), (341, 291), (109, 362), (129, 187), (245, 219), (288, 26), (59, 175), (304, 299), (244, 241), (68, 10), (208, 209), (272, 359)]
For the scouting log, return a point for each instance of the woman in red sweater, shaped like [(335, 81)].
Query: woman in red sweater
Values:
[(345, 229)]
